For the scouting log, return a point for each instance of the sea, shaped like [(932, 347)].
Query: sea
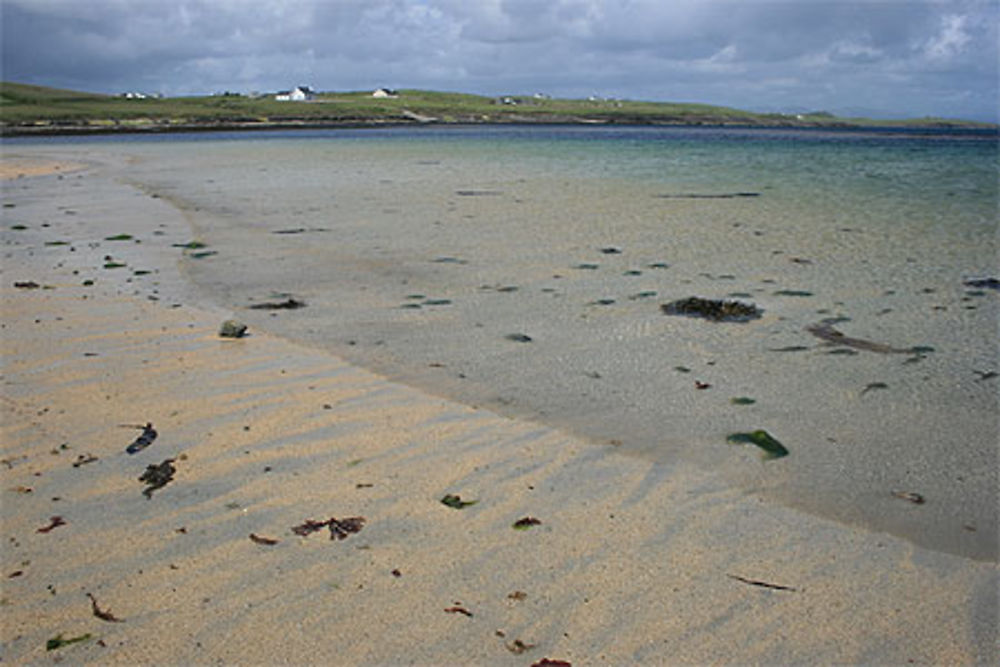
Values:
[(525, 270)]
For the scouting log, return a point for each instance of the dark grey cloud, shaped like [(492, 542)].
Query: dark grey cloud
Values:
[(911, 57)]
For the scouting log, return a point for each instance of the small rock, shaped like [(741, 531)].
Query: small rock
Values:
[(233, 329)]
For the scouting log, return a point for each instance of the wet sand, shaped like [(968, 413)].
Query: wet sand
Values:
[(634, 560)]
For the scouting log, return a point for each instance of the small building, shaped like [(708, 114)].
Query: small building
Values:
[(299, 94), (134, 95), (386, 93)]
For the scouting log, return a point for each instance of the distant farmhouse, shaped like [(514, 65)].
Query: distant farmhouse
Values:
[(300, 94), (386, 92)]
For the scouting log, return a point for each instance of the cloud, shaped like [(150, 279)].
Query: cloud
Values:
[(951, 40), (747, 53)]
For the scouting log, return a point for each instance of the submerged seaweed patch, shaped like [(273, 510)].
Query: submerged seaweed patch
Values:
[(771, 447), (712, 309)]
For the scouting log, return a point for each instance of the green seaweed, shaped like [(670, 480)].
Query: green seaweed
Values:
[(455, 502), (742, 400), (19, 228), (792, 292), (114, 265), (761, 438), (58, 641), (55, 243), (119, 237), (190, 245)]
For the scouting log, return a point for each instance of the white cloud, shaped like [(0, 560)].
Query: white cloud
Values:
[(951, 40)]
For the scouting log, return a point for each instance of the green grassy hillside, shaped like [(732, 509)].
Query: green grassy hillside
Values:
[(29, 109)]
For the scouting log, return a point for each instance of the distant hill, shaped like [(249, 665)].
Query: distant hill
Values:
[(27, 109)]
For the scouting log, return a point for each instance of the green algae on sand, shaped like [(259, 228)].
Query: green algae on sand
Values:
[(772, 449)]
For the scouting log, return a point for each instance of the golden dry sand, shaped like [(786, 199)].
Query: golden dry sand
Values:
[(632, 561), (12, 167)]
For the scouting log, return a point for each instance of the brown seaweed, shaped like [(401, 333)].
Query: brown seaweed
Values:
[(697, 195), (339, 528), (288, 304), (762, 584), (102, 614), (457, 609), (84, 459), (157, 477), (258, 539), (308, 527), (54, 522), (909, 496), (525, 523), (712, 309), (824, 331), (517, 647)]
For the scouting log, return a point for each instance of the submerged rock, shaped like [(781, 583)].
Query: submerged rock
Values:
[(233, 329), (716, 310)]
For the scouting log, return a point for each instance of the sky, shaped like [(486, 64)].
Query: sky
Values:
[(881, 58)]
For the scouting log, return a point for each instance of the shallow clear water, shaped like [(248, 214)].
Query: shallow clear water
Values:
[(420, 251)]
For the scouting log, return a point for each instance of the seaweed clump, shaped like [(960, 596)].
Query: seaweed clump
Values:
[(716, 310)]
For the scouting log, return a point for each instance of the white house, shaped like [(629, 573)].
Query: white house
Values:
[(385, 92), (300, 94)]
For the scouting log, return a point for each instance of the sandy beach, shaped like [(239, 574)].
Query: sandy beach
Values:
[(568, 550)]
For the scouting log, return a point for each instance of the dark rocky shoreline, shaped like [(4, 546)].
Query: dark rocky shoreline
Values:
[(160, 127)]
